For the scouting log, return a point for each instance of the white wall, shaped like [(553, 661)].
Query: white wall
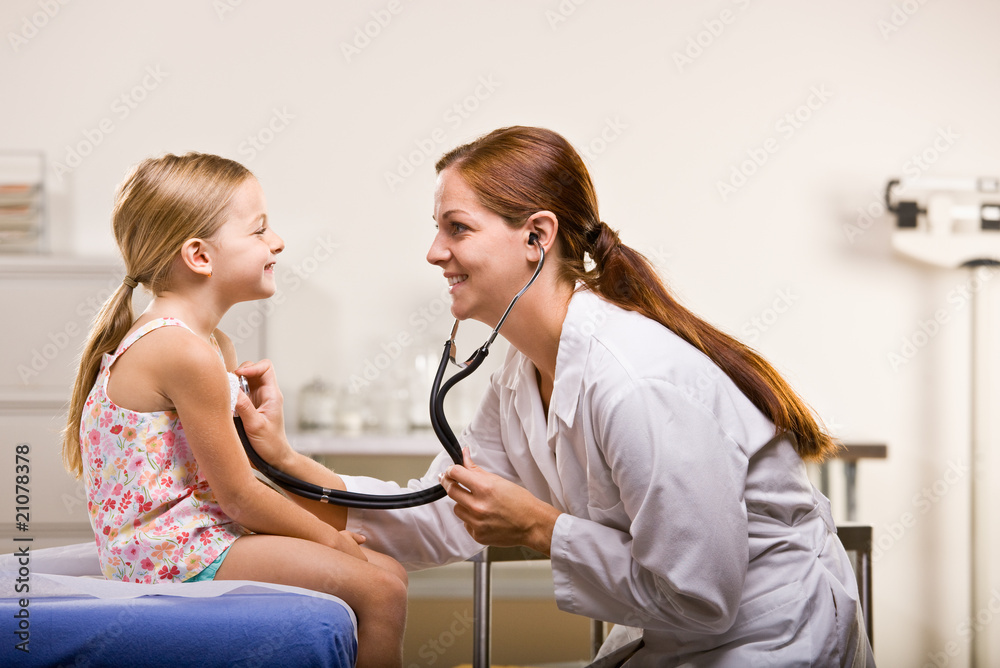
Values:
[(673, 131)]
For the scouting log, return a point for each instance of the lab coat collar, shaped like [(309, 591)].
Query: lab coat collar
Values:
[(583, 318), (586, 314), (515, 367)]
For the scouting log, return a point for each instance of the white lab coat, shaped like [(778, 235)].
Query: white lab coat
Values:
[(683, 514)]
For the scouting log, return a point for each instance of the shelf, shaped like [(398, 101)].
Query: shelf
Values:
[(58, 266), (855, 451), (33, 399)]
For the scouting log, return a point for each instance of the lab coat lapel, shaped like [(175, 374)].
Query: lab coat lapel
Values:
[(527, 404), (583, 317), (565, 437)]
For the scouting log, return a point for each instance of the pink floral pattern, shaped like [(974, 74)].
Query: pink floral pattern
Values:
[(154, 517)]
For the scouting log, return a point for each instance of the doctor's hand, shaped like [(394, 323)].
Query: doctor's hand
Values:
[(262, 413), (496, 511)]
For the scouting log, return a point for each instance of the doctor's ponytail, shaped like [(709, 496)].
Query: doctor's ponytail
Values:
[(518, 171)]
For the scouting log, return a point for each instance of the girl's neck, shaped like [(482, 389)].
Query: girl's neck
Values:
[(201, 316)]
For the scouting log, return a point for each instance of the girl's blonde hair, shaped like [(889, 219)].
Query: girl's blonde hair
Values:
[(162, 203)]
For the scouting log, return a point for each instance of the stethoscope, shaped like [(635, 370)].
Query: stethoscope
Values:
[(439, 422)]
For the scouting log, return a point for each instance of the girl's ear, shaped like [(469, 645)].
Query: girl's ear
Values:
[(542, 227), (196, 254)]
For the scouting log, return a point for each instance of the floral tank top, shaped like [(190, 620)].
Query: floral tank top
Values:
[(153, 514)]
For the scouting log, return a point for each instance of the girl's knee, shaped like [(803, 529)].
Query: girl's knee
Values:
[(389, 564), (389, 594), (395, 588), (397, 569)]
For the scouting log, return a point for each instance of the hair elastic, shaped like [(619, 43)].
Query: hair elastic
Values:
[(594, 234), (129, 281)]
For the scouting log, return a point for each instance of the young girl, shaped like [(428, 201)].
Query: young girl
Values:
[(170, 492)]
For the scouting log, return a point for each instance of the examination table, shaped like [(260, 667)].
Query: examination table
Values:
[(61, 609)]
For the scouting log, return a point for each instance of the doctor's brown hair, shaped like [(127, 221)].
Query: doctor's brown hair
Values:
[(162, 203), (518, 171)]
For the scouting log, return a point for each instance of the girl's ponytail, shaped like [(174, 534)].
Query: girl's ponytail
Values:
[(112, 323)]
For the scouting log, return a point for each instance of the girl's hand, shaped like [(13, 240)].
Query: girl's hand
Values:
[(350, 543), (496, 511), (262, 413)]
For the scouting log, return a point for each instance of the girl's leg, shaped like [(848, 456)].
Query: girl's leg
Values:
[(373, 589), (386, 563)]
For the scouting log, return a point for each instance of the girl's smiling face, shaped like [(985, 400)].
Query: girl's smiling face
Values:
[(247, 245), (481, 255)]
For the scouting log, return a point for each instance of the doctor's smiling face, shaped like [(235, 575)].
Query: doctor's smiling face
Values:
[(481, 255)]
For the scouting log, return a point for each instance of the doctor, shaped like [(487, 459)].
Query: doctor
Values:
[(656, 460)]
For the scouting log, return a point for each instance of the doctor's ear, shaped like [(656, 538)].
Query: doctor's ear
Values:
[(540, 230), (196, 254)]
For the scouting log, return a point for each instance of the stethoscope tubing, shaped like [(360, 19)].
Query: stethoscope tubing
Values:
[(337, 497)]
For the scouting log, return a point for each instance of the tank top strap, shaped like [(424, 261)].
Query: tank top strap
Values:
[(146, 329), (218, 348)]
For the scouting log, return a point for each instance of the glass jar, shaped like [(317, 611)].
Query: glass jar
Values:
[(425, 366), (350, 412), (317, 407)]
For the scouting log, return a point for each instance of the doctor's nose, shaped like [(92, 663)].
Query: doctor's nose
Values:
[(438, 251)]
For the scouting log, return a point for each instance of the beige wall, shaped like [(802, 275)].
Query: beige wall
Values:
[(122, 80)]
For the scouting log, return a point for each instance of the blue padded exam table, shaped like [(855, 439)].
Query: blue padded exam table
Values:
[(77, 618)]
